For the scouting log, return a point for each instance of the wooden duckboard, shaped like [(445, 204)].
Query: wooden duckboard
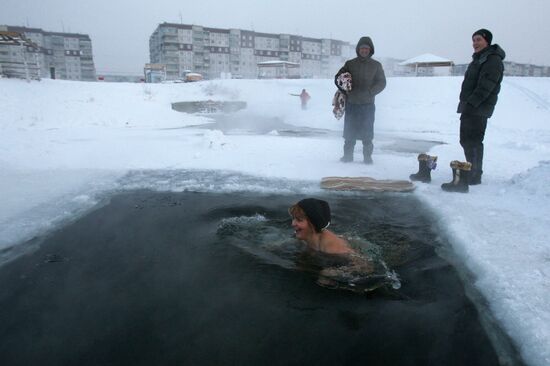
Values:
[(366, 184)]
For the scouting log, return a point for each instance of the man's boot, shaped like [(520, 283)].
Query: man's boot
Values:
[(426, 164), (477, 166), (461, 172), (368, 147), (349, 145)]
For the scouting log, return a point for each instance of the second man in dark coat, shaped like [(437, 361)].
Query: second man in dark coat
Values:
[(368, 80), (478, 97)]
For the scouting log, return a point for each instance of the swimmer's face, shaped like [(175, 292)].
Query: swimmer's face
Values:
[(302, 227)]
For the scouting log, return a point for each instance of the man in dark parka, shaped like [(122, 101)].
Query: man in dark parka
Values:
[(368, 80), (478, 97)]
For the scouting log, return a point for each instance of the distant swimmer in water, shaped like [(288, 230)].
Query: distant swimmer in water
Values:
[(310, 219)]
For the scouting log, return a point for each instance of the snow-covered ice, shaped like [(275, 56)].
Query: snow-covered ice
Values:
[(63, 144)]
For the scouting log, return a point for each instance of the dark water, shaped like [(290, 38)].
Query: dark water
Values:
[(157, 279)]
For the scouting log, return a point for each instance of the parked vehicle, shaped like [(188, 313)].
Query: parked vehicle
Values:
[(192, 76)]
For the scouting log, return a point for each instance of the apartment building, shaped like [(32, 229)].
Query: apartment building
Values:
[(58, 55), (517, 69), (511, 69), (17, 58), (218, 53)]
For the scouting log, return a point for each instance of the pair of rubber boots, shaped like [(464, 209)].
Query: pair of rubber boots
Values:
[(349, 146), (461, 173)]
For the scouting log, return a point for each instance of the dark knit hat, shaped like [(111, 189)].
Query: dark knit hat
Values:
[(488, 36), (317, 211)]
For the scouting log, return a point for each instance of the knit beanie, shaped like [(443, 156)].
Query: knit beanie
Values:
[(317, 211), (488, 36)]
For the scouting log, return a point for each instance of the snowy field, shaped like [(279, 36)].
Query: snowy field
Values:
[(64, 144)]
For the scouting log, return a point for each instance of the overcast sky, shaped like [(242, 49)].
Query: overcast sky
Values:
[(120, 29)]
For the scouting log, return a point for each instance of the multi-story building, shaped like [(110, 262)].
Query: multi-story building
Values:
[(217, 53), (517, 69), (17, 56), (59, 55), (512, 69)]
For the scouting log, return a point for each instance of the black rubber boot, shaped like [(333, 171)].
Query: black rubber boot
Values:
[(461, 172), (368, 147), (477, 166), (475, 178), (426, 164), (349, 145)]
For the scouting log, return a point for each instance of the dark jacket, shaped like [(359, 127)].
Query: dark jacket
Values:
[(481, 85), (367, 76)]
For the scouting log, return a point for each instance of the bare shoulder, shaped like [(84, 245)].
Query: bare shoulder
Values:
[(334, 244)]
